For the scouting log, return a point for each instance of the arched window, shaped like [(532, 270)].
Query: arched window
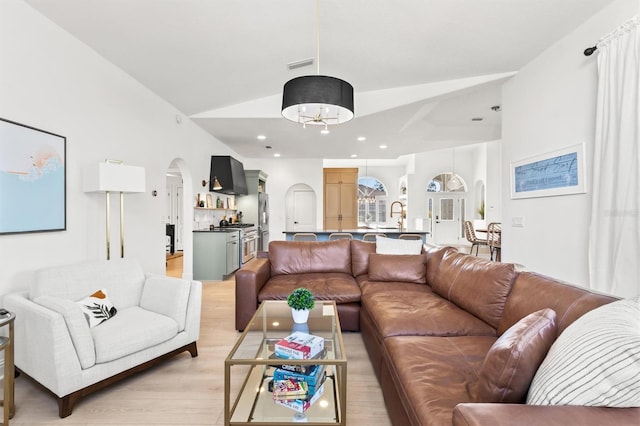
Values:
[(447, 182), (372, 201)]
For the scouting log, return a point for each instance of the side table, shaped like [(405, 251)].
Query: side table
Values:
[(6, 345)]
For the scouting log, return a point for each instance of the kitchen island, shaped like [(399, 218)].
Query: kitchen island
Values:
[(323, 234)]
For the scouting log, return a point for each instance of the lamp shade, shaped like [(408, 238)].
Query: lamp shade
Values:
[(318, 100), (102, 177)]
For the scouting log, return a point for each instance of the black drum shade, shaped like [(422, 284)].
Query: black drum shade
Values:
[(317, 100)]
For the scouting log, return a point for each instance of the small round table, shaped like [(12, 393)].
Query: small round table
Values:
[(6, 345)]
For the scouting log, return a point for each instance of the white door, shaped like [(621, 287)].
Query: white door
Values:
[(430, 221), (304, 204), (447, 223)]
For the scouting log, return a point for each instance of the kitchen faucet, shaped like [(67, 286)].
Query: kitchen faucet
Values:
[(402, 213)]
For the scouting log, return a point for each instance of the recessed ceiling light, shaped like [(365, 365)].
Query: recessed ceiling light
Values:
[(276, 155), (325, 131), (261, 137), (383, 147), (354, 155), (361, 139)]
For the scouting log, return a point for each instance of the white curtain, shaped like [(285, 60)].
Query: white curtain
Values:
[(614, 244)]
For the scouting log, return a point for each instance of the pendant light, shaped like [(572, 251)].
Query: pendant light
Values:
[(317, 100)]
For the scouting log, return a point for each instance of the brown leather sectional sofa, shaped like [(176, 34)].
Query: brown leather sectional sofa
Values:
[(427, 324)]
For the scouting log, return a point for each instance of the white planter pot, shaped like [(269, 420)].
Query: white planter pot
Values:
[(300, 316)]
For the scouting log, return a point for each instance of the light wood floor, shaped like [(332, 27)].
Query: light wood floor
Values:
[(190, 391)]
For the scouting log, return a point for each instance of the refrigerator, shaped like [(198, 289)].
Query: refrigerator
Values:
[(263, 221), (255, 206)]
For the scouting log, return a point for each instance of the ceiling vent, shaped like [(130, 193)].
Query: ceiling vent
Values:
[(300, 64)]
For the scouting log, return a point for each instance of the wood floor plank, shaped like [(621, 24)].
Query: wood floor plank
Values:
[(190, 391)]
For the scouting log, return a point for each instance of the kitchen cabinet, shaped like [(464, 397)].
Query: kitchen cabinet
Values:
[(233, 252), (216, 254), (340, 198)]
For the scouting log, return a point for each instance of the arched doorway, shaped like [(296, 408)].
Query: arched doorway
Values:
[(446, 201), (179, 190), (300, 208)]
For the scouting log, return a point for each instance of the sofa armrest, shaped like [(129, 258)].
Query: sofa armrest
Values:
[(548, 415), (249, 281), (43, 346), (167, 296), (194, 308)]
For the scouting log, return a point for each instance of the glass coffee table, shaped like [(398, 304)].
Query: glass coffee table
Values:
[(251, 364)]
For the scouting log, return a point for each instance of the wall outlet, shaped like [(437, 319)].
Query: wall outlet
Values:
[(517, 222)]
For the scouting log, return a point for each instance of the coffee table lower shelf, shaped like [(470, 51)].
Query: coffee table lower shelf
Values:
[(255, 405)]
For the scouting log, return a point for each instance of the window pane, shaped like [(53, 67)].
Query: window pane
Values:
[(446, 209)]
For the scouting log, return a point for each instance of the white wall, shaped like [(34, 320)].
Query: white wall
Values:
[(493, 201), (548, 105), (284, 173), (51, 81)]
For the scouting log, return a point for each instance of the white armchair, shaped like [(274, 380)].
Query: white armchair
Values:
[(157, 317)]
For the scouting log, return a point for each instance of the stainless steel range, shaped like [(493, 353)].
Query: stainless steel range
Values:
[(248, 240)]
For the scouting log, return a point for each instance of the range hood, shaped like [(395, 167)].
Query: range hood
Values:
[(229, 172)]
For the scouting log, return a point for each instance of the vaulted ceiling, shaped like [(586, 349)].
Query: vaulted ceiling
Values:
[(422, 70)]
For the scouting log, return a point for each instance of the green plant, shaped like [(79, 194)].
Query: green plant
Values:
[(301, 298), (481, 210)]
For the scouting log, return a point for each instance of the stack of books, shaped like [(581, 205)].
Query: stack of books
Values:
[(298, 386)]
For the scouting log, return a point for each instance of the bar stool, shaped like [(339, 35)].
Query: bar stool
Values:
[(340, 236), (6, 345), (371, 236), (304, 236), (409, 237)]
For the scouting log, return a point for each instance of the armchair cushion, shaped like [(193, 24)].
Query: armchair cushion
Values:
[(132, 330), (166, 296), (76, 325), (122, 278)]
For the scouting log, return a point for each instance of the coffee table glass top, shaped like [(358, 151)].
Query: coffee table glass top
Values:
[(253, 359)]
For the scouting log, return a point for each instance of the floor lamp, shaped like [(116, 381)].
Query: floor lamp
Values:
[(114, 176)]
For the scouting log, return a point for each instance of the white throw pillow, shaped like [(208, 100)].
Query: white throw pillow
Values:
[(97, 308), (386, 245), (594, 362)]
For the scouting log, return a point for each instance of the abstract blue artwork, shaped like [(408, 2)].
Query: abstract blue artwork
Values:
[(32, 179), (557, 173)]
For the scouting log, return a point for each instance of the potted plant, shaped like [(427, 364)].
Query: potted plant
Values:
[(300, 300)]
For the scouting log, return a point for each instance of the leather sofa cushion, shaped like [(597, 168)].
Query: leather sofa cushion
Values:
[(512, 361), (477, 285), (397, 267), (432, 373), (325, 286), (303, 257), (434, 256), (360, 251), (532, 292), (400, 309)]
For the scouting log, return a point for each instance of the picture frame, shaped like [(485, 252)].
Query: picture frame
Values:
[(210, 201), (560, 172), (33, 181)]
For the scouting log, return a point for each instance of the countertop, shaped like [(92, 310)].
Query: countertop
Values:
[(218, 229), (365, 231)]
